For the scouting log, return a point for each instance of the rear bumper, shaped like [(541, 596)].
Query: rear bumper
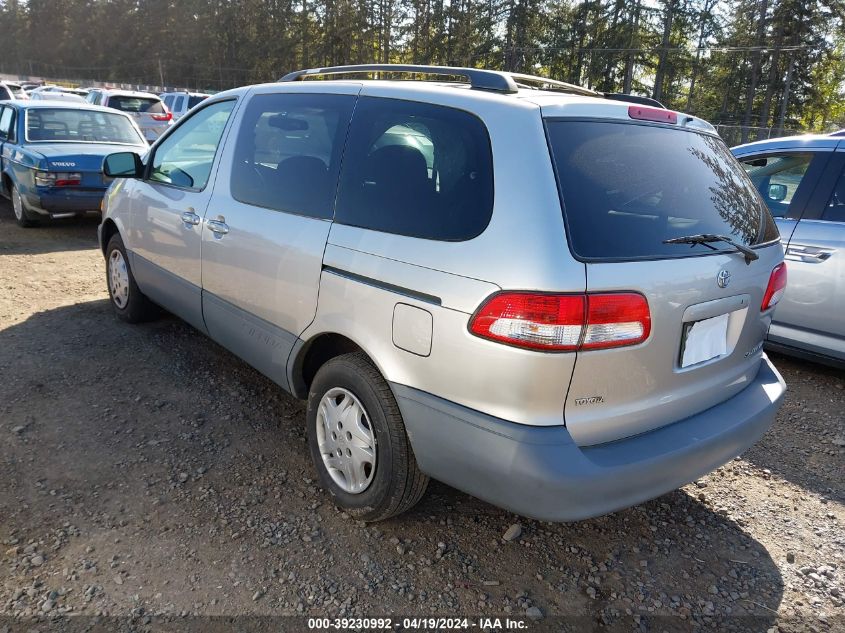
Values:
[(540, 472), (70, 201)]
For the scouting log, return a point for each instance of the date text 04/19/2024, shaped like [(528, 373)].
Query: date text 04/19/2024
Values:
[(420, 623)]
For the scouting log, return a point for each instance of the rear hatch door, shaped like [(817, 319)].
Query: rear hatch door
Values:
[(149, 113), (626, 186)]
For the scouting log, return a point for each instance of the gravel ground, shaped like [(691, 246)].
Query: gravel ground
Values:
[(148, 477)]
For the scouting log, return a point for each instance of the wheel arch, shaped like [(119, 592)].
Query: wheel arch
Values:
[(309, 355), (108, 231), (7, 182)]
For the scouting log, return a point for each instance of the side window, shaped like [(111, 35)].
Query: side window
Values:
[(185, 157), (7, 117), (288, 151), (177, 104), (835, 209), (416, 169), (168, 101), (777, 178)]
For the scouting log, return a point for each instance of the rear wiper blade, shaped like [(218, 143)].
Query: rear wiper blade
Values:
[(707, 238)]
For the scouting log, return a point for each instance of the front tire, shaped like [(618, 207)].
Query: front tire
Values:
[(127, 300), (358, 441), (22, 216)]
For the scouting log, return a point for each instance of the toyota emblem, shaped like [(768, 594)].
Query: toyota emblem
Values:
[(723, 278)]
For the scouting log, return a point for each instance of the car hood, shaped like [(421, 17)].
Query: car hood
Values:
[(79, 156)]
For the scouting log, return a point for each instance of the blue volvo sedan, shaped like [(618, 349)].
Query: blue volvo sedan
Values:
[(51, 156)]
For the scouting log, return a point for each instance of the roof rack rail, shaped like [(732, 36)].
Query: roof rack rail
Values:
[(478, 79), (542, 83), (646, 101)]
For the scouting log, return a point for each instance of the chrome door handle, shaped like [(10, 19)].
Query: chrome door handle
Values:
[(190, 218), (808, 254), (218, 227)]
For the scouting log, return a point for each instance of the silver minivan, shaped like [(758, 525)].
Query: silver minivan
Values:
[(550, 298)]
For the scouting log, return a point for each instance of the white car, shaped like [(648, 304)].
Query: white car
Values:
[(149, 112), (56, 93)]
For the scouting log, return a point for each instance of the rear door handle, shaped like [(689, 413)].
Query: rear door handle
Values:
[(808, 254), (218, 227), (190, 218)]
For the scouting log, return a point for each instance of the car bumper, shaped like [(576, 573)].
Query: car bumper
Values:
[(540, 472), (69, 202)]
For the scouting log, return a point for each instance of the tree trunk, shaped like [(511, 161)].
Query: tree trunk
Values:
[(784, 104), (629, 61), (660, 73), (754, 74)]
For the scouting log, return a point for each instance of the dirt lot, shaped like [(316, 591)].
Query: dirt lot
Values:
[(149, 477)]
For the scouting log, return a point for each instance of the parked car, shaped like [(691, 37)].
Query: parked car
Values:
[(11, 90), (55, 93), (51, 156), (180, 102), (353, 241), (147, 109), (801, 178)]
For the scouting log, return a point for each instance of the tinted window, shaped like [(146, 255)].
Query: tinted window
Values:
[(177, 104), (168, 101), (5, 94), (835, 209), (777, 178), (626, 188), (185, 157), (416, 169), (6, 117), (74, 126), (288, 152), (195, 100), (136, 104)]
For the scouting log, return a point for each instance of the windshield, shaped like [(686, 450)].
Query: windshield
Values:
[(627, 187), (79, 126), (126, 103)]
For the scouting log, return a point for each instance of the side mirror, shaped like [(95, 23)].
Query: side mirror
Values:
[(777, 192), (123, 165)]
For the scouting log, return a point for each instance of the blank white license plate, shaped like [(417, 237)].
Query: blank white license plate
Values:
[(704, 340)]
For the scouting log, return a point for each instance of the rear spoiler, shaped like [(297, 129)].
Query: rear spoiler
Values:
[(646, 101)]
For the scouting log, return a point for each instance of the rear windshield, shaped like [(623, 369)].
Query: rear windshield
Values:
[(626, 188), (136, 104), (192, 101), (79, 126)]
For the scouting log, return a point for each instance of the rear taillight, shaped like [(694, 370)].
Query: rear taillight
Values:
[(563, 322), (614, 320), (57, 179), (162, 117), (776, 287)]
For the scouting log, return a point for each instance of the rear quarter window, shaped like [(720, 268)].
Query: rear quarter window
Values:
[(416, 169), (627, 187)]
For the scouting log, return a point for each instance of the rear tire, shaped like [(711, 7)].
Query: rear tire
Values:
[(22, 216), (395, 483), (127, 300)]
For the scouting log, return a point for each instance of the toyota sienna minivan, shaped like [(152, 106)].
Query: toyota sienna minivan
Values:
[(547, 297)]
